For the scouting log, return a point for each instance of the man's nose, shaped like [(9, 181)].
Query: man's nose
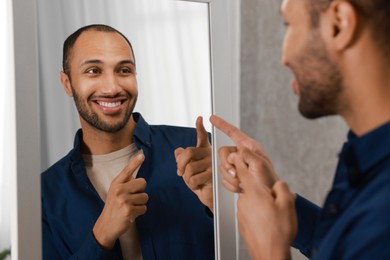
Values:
[(110, 85)]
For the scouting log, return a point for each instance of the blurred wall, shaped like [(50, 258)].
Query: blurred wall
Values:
[(304, 152)]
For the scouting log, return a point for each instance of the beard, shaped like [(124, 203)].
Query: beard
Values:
[(93, 119), (319, 80)]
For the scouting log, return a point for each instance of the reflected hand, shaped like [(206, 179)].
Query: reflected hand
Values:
[(194, 165), (243, 142), (266, 216), (126, 200)]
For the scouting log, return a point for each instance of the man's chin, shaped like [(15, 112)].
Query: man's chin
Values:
[(108, 128), (314, 113)]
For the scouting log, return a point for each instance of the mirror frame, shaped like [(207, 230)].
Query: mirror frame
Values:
[(225, 60), (26, 213)]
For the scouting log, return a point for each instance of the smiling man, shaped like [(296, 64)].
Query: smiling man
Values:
[(127, 190), (338, 51)]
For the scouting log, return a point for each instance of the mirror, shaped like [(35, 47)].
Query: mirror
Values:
[(32, 154), (171, 45)]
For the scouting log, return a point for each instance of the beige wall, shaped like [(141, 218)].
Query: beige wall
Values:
[(304, 152)]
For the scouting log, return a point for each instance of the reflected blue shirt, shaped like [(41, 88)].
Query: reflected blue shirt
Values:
[(353, 222), (176, 225)]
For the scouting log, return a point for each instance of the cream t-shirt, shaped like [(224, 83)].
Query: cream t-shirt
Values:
[(101, 170)]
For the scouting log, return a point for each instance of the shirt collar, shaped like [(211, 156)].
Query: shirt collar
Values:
[(141, 133), (362, 154)]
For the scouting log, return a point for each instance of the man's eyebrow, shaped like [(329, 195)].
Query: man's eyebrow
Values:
[(127, 62), (90, 62), (96, 61)]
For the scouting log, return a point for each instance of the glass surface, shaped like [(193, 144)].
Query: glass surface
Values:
[(172, 52), (171, 44)]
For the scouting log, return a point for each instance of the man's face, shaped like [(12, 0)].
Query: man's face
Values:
[(103, 80), (317, 79)]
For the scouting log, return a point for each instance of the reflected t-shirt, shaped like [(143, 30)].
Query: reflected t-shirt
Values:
[(101, 170)]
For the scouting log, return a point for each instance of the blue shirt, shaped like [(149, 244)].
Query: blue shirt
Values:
[(354, 221), (176, 225)]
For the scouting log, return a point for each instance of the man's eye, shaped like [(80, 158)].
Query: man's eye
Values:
[(124, 70), (93, 71)]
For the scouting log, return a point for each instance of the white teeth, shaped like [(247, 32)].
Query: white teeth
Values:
[(109, 104)]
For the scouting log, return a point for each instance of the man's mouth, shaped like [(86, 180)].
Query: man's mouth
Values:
[(295, 87), (109, 104)]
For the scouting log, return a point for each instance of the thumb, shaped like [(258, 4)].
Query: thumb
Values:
[(201, 133), (127, 172), (283, 195)]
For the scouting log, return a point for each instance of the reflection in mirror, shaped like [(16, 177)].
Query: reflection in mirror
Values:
[(82, 192), (171, 44)]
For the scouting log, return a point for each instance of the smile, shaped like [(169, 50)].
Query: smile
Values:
[(109, 104)]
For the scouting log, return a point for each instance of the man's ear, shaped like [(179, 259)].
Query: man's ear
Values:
[(340, 24), (65, 81)]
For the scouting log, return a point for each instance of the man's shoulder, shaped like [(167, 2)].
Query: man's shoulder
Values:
[(181, 130), (178, 135)]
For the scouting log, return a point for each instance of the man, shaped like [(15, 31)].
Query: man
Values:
[(127, 189), (339, 53)]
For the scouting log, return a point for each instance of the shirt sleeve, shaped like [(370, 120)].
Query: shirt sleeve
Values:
[(49, 248), (89, 249), (307, 214)]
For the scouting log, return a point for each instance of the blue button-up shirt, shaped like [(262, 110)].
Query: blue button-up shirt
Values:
[(354, 221), (176, 225)]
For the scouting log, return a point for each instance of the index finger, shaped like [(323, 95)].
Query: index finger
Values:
[(237, 136), (127, 172)]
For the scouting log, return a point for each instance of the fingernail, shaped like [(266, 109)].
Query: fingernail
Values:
[(178, 173), (232, 173), (139, 156)]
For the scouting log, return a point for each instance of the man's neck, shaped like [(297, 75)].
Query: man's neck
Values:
[(99, 142), (367, 92)]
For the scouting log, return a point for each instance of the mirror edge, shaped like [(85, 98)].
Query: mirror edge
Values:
[(26, 213), (225, 39)]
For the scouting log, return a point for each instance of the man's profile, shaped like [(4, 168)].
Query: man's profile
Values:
[(338, 52)]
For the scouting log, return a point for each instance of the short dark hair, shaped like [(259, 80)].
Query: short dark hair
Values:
[(70, 41), (375, 12)]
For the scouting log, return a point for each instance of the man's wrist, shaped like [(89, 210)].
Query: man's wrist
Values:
[(281, 253), (102, 239)]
